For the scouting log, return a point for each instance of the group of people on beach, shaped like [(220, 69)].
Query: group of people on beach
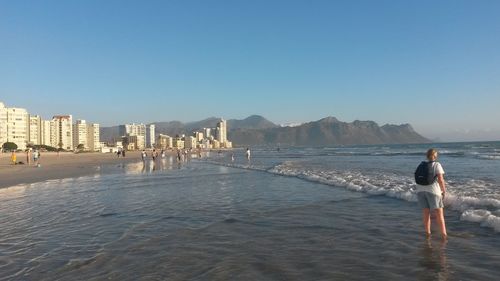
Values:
[(181, 154), (120, 152), (30, 154), (430, 196)]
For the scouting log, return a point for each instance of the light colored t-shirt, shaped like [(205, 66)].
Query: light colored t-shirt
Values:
[(433, 188)]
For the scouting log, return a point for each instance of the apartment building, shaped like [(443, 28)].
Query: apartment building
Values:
[(150, 136), (14, 126), (35, 130), (93, 137), (62, 132), (139, 130), (165, 142), (80, 134)]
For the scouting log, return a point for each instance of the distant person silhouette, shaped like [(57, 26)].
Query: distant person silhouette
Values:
[(247, 153)]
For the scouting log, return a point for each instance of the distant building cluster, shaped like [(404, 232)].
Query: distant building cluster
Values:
[(23, 129), (140, 136), (137, 136), (26, 130)]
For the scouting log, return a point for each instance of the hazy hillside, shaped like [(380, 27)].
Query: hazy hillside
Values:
[(328, 131), (256, 130)]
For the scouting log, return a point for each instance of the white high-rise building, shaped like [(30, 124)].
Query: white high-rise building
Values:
[(221, 131), (93, 137), (207, 132), (165, 141), (14, 126), (46, 132), (198, 136), (80, 134), (62, 132), (131, 130), (190, 142), (35, 130), (150, 135), (86, 134)]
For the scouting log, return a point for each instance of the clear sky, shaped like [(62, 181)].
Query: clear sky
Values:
[(433, 64)]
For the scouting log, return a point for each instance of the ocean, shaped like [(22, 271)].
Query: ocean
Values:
[(329, 213)]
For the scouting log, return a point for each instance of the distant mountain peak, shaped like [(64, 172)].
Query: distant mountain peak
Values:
[(329, 119)]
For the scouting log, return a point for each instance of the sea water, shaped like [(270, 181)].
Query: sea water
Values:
[(333, 213)]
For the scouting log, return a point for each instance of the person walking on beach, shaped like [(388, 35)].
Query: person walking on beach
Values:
[(35, 157), (178, 155), (247, 154), (13, 158), (431, 189), (28, 157)]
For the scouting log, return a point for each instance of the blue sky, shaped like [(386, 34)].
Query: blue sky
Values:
[(433, 64)]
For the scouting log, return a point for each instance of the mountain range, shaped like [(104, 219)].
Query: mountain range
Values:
[(256, 130)]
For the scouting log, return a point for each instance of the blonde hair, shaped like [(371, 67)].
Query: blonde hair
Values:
[(432, 154)]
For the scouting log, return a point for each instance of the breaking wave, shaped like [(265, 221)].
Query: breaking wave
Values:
[(466, 197)]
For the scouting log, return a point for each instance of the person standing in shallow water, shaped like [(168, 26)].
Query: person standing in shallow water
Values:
[(430, 197)]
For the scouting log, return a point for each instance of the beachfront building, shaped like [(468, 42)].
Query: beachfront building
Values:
[(14, 126), (207, 132), (62, 132), (190, 142), (86, 134), (35, 130), (150, 135), (221, 131), (165, 142), (139, 130), (205, 144), (132, 130), (215, 144), (93, 137), (133, 142), (198, 136), (178, 143), (221, 134), (80, 134), (45, 135)]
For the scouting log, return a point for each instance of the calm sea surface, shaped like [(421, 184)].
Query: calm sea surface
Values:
[(341, 213)]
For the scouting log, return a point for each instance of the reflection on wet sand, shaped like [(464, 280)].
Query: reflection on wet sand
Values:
[(150, 166), (433, 261)]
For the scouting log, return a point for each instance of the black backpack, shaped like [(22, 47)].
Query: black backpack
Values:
[(424, 175)]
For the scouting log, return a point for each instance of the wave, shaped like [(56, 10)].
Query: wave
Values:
[(466, 197), (489, 156)]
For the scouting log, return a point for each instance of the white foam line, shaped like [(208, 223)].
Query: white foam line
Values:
[(471, 208)]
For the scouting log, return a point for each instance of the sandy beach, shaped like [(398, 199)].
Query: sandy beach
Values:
[(54, 166)]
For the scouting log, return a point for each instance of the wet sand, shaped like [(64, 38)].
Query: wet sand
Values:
[(54, 166)]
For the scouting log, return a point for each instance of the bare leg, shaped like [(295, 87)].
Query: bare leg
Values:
[(441, 223), (426, 218)]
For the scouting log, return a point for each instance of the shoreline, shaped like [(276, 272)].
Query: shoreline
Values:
[(54, 166)]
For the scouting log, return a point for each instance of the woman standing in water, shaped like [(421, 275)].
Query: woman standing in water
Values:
[(430, 197)]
